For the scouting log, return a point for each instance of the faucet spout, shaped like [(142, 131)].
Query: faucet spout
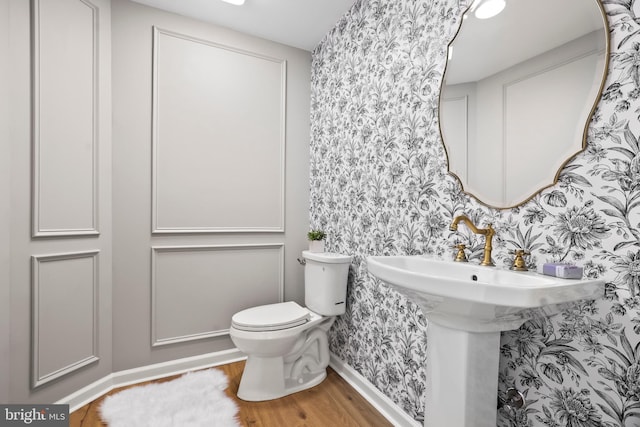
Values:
[(466, 220), (487, 232)]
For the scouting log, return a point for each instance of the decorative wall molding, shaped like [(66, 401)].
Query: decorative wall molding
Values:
[(512, 135), (206, 270), (591, 53), (537, 73), (46, 326), (222, 170), (459, 104), (65, 113)]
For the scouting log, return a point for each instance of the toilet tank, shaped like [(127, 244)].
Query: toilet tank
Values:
[(325, 282)]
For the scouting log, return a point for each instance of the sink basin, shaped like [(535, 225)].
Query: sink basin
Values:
[(470, 286), (467, 306)]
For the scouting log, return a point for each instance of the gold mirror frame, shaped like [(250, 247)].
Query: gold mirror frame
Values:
[(585, 128)]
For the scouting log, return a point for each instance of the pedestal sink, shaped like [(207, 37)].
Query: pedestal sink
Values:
[(467, 306)]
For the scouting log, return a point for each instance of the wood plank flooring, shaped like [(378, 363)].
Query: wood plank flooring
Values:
[(331, 403)]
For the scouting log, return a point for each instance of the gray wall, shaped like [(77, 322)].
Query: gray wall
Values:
[(60, 200), (163, 295), (380, 186), (252, 283), (5, 192)]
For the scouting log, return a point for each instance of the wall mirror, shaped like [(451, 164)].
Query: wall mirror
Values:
[(518, 93)]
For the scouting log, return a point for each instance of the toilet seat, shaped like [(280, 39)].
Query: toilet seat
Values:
[(271, 317)]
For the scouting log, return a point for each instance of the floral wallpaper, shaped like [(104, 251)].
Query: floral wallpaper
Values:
[(379, 185)]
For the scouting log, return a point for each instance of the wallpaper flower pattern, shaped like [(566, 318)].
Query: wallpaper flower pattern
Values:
[(379, 185)]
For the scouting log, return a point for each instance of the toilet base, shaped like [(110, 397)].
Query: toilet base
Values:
[(268, 376), (263, 379)]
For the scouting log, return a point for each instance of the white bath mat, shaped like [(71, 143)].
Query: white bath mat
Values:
[(196, 399)]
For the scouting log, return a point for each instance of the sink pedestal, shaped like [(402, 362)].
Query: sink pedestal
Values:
[(462, 372), (467, 306)]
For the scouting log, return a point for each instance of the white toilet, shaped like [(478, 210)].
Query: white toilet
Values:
[(286, 344)]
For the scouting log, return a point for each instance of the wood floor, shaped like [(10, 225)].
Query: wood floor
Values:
[(331, 403)]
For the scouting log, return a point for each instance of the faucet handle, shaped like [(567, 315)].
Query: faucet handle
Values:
[(518, 263), (460, 255)]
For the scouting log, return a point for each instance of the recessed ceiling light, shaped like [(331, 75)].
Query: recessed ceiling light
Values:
[(489, 8), (236, 2)]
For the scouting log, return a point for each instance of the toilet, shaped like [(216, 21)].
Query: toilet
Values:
[(286, 344)]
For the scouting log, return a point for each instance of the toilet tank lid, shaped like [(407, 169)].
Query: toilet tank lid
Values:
[(327, 257), (281, 315)]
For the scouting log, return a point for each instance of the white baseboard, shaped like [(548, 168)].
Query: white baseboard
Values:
[(146, 373), (375, 397), (91, 392)]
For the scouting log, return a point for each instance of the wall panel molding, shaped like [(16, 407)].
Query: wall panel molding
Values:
[(64, 338), (64, 118), (457, 137), (531, 158), (218, 137), (210, 283)]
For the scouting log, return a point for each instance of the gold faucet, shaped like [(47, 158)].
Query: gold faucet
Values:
[(488, 234)]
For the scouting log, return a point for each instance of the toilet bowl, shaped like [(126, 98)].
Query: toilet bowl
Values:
[(286, 344)]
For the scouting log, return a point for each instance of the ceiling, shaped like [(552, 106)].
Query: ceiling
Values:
[(297, 23), (523, 30)]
